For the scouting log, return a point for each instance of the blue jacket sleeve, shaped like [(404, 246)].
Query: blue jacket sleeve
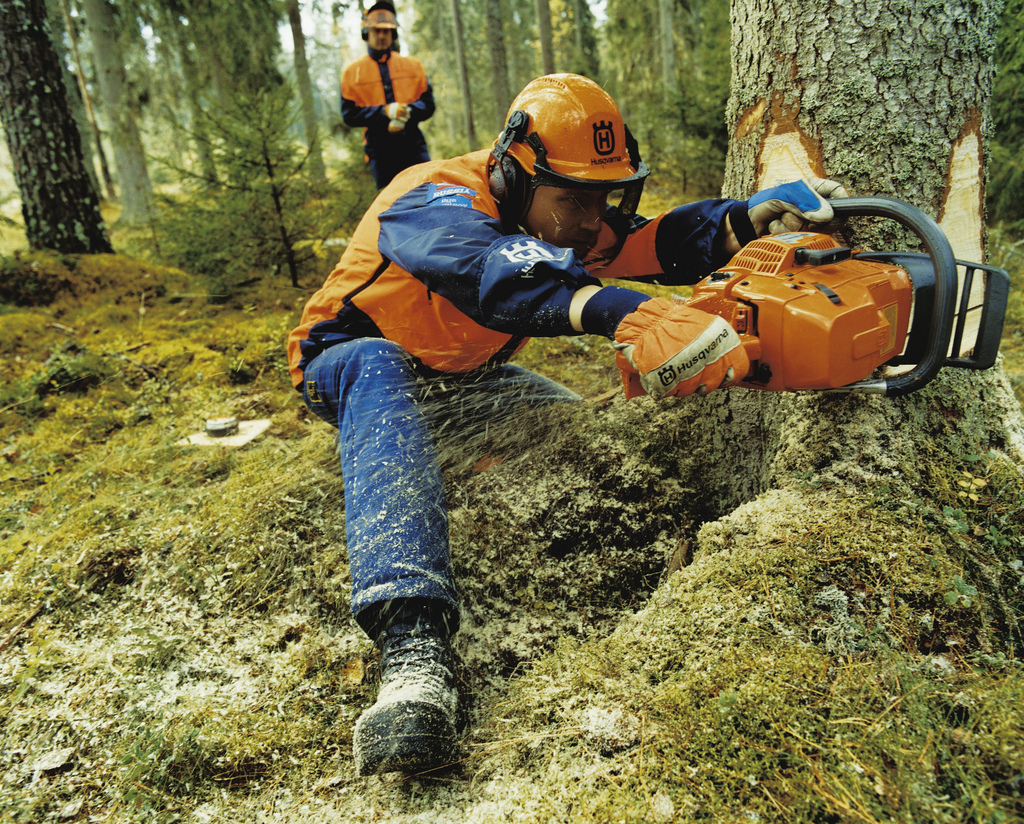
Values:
[(510, 283), (686, 241), (422, 108), (518, 284), (360, 116)]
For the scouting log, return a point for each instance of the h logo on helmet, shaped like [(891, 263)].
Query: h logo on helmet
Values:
[(604, 138)]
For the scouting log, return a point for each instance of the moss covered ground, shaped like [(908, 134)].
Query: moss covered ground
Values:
[(645, 639)]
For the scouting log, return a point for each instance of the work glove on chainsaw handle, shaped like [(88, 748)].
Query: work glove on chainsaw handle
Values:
[(668, 348), (792, 207)]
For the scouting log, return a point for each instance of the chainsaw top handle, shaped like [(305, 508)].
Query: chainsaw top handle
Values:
[(944, 307)]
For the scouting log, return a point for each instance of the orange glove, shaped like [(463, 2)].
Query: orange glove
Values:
[(667, 348)]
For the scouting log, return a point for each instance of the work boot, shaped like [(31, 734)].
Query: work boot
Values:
[(412, 726)]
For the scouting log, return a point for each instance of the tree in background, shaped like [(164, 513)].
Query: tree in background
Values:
[(672, 85), (236, 45), (547, 50), (65, 41), (136, 190), (504, 42), (267, 213), (305, 87), (459, 52), (501, 86), (575, 38), (59, 202)]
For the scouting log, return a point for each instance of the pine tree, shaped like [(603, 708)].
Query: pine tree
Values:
[(59, 202)]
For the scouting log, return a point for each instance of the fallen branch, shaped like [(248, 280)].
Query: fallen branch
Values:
[(14, 632)]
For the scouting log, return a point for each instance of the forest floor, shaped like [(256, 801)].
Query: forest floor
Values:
[(175, 643)]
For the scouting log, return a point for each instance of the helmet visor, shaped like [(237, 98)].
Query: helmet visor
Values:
[(623, 195)]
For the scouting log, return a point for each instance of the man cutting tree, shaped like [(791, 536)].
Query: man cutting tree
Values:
[(455, 265)]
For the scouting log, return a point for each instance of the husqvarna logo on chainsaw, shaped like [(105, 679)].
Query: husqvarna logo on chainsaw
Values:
[(604, 138)]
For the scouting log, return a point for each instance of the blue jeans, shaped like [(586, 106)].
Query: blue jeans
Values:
[(387, 415)]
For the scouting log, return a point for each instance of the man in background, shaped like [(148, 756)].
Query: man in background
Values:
[(388, 95)]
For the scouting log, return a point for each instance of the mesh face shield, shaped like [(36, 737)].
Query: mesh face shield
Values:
[(623, 193)]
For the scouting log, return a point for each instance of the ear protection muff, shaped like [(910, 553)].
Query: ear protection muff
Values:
[(507, 180)]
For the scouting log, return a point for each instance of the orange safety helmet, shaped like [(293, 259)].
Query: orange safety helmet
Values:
[(565, 130), (379, 16)]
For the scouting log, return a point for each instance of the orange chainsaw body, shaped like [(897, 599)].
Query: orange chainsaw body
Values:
[(810, 316)]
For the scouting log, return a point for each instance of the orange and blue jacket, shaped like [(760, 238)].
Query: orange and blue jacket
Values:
[(368, 85), (432, 267)]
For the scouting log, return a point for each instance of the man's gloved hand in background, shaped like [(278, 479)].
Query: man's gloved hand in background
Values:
[(793, 207), (667, 348), (398, 114)]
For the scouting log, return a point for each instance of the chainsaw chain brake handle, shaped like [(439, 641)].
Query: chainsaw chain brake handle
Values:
[(939, 331)]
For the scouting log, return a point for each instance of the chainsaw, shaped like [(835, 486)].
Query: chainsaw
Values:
[(816, 316)]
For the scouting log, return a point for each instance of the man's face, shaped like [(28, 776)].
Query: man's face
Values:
[(380, 39), (570, 218)]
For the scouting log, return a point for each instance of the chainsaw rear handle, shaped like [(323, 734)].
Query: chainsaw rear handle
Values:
[(944, 307)]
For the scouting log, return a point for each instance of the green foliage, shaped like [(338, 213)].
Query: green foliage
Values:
[(264, 213), (682, 134), (1006, 249), (1006, 171)]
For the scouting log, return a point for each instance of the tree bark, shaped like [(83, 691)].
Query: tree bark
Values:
[(316, 159), (58, 200), (129, 155)]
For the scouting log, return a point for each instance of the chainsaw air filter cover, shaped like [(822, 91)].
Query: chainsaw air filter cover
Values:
[(810, 315)]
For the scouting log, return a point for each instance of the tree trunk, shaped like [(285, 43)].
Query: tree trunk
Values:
[(316, 159), (668, 50), (579, 58), (460, 59), (920, 122), (547, 51), (890, 103), (129, 156), (78, 96), (58, 201), (500, 85)]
